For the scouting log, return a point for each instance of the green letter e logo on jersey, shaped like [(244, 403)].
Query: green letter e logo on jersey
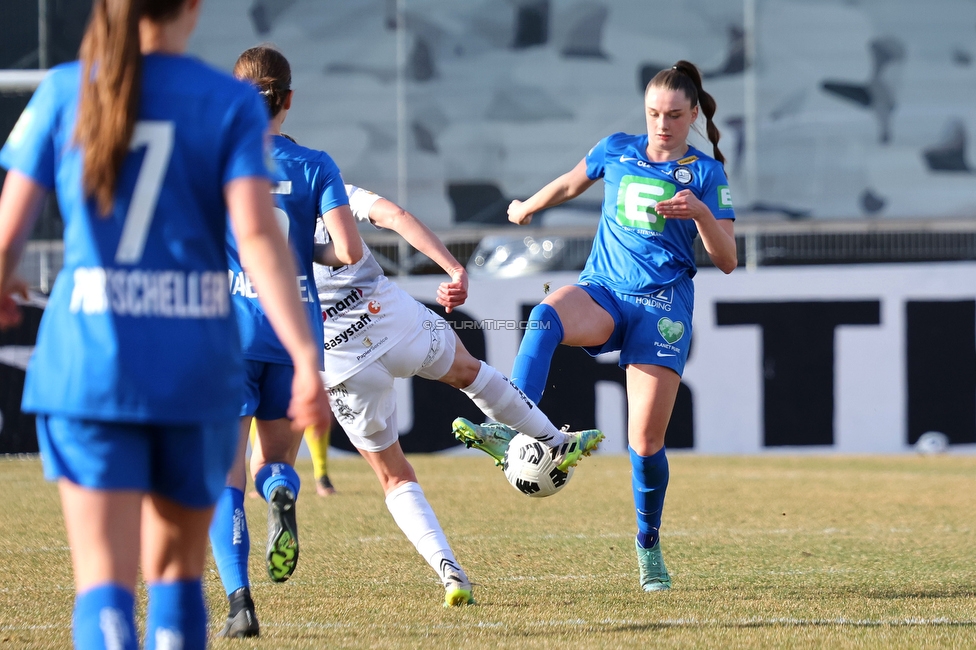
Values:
[(636, 199)]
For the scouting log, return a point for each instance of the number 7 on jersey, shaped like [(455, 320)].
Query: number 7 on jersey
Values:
[(157, 137)]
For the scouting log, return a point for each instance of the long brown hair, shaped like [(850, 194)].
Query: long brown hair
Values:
[(268, 69), (684, 76), (111, 80)]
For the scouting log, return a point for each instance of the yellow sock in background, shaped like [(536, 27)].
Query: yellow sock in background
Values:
[(319, 447)]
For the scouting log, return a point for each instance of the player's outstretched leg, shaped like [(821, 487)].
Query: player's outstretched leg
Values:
[(279, 484), (413, 514), (577, 445), (544, 334), (649, 476), (502, 401), (490, 437), (493, 438)]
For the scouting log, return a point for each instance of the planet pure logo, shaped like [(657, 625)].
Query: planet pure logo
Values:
[(672, 331)]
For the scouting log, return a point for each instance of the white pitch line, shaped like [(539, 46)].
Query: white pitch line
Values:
[(549, 578), (665, 623), (38, 549), (689, 623)]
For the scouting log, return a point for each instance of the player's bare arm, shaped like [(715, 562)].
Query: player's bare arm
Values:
[(20, 205), (347, 245), (566, 187), (386, 214)]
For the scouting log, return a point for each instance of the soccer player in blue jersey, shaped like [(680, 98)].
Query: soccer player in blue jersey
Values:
[(635, 294), (309, 189), (137, 375)]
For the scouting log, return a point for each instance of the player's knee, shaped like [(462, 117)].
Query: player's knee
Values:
[(463, 371), (647, 445)]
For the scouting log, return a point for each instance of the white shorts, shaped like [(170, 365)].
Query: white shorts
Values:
[(365, 404)]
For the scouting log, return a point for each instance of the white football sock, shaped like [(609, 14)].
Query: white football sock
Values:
[(417, 520), (502, 401)]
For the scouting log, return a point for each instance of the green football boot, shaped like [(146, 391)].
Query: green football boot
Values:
[(457, 591), (282, 554), (491, 437), (579, 444), (653, 575)]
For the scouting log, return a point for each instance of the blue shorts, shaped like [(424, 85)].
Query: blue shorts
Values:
[(185, 463), (267, 389), (653, 329)]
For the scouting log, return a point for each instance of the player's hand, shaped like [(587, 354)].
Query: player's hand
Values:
[(309, 405), (683, 205), (517, 213), (10, 315), (453, 294)]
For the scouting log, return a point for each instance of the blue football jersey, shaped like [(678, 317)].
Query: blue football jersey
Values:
[(635, 249), (308, 186), (139, 326)]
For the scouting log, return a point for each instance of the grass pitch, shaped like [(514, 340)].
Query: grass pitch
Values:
[(800, 552)]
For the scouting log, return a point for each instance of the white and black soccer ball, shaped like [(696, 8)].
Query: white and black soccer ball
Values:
[(931, 443), (529, 467)]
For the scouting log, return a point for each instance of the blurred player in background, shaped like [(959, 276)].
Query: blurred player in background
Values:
[(635, 294), (317, 439), (309, 189), (374, 333), (137, 374)]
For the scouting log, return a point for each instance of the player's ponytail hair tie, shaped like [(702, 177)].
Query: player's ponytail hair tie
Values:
[(269, 71)]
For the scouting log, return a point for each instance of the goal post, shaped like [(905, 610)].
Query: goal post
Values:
[(20, 81)]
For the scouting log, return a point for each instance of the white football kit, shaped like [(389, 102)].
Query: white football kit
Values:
[(374, 332)]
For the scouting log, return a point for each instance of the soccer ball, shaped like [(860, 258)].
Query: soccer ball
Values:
[(529, 467)]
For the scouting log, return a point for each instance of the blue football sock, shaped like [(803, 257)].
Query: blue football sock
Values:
[(531, 368), (176, 612), (104, 617), (271, 476), (230, 540), (649, 477)]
